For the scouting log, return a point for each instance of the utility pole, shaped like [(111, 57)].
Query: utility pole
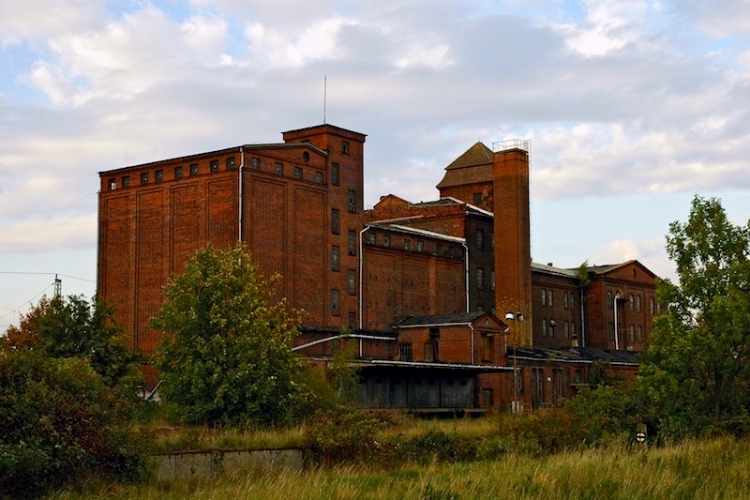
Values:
[(58, 287)]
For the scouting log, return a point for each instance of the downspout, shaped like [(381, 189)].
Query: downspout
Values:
[(466, 249), (241, 190), (471, 327), (361, 280), (614, 305), (583, 321)]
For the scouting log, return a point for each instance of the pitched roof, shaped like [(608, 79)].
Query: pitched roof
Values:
[(440, 320), (474, 166)]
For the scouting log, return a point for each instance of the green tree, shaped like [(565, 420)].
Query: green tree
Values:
[(226, 353), (73, 327), (696, 362)]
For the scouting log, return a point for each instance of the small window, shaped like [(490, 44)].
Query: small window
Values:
[(345, 147), (126, 181), (279, 168), (488, 348), (144, 178), (439, 249), (230, 163), (549, 298), (371, 238), (480, 239), (318, 177), (112, 185), (214, 166), (480, 278), (404, 354), (651, 305), (477, 198), (609, 300), (565, 300), (352, 241), (305, 156), (638, 305), (178, 172), (429, 351), (335, 302), (386, 240), (407, 244), (544, 327), (544, 296), (487, 397), (639, 338), (255, 163), (159, 176), (335, 258), (567, 330), (632, 302), (571, 301), (298, 172), (193, 170), (335, 172), (352, 321), (420, 245), (352, 201), (492, 280), (632, 334), (335, 221), (351, 284)]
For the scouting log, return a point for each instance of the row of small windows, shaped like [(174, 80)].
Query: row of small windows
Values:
[(548, 298), (230, 164), (481, 242), (635, 303), (481, 279), (408, 245), (635, 333), (548, 328)]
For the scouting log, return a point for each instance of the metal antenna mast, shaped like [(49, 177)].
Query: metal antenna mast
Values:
[(325, 88), (58, 287)]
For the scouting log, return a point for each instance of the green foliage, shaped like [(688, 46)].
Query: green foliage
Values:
[(696, 364), (226, 353), (342, 435), (59, 421), (73, 327), (345, 378)]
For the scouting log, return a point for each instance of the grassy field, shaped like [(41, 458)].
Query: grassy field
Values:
[(717, 468)]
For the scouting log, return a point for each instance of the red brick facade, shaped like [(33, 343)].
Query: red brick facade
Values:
[(298, 206)]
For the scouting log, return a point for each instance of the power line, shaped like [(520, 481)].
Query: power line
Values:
[(47, 274)]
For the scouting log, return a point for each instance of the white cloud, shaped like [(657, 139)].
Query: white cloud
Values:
[(47, 234), (22, 20)]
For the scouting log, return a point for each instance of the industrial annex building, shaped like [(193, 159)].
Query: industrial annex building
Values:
[(441, 299)]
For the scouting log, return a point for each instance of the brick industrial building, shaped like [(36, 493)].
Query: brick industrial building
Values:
[(424, 289)]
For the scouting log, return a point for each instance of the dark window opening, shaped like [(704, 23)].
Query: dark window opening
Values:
[(230, 163), (352, 201), (159, 175), (193, 170), (335, 302), (214, 166), (335, 172), (126, 181), (178, 172), (144, 178), (335, 226)]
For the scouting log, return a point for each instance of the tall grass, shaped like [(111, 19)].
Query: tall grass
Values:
[(717, 468)]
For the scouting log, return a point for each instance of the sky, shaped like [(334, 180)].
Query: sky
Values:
[(632, 108)]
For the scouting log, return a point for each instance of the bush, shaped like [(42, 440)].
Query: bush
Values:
[(58, 420), (342, 435)]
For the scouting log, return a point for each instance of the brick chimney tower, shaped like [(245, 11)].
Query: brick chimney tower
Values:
[(510, 173)]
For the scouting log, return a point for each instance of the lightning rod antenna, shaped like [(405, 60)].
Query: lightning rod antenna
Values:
[(325, 87)]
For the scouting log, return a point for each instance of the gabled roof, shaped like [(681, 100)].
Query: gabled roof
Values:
[(472, 167), (444, 320), (599, 270)]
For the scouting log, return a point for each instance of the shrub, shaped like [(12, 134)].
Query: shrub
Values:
[(57, 421), (342, 435)]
